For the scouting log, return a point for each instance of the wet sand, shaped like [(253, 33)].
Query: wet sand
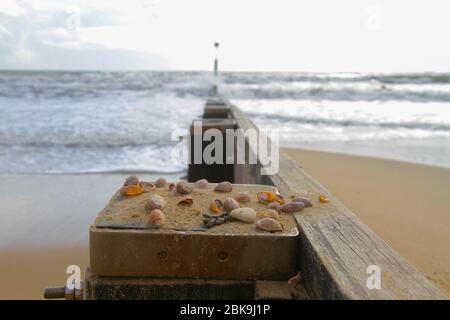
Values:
[(44, 221), (24, 273), (406, 204)]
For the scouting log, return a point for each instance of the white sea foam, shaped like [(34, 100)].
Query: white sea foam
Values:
[(59, 122)]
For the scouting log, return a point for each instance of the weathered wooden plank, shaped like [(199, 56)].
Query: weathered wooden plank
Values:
[(135, 288), (336, 247)]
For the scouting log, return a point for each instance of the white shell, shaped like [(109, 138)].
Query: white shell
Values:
[(155, 202), (242, 197), (269, 213), (247, 215), (224, 187), (268, 224), (229, 204), (160, 182), (201, 184)]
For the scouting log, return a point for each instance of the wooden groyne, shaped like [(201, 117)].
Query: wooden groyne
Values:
[(334, 251), (336, 247)]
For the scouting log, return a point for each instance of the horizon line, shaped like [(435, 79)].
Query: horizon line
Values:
[(211, 71)]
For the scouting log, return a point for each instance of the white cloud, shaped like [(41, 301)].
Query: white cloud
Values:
[(44, 35), (11, 8), (286, 35)]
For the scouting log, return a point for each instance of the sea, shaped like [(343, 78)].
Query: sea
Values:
[(59, 122)]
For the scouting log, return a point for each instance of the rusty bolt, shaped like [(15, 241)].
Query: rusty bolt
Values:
[(223, 256), (63, 293), (162, 254)]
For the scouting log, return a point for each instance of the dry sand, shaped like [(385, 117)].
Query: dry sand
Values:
[(408, 205)]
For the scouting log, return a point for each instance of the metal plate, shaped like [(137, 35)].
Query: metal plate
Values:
[(123, 244)]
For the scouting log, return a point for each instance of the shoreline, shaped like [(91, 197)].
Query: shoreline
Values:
[(44, 228), (289, 148)]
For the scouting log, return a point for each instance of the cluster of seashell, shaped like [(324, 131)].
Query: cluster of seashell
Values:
[(230, 208), (275, 205), (155, 203), (133, 187)]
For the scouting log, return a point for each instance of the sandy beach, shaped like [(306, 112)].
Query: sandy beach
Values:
[(406, 204), (43, 227)]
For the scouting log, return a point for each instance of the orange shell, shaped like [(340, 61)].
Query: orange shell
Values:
[(131, 190), (214, 206), (266, 197), (323, 199)]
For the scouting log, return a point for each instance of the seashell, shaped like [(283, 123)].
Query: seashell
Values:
[(215, 205), (230, 204), (156, 218), (155, 202), (266, 197), (224, 187), (131, 181), (160, 182), (323, 199), (147, 185), (242, 197), (131, 190), (172, 187), (306, 202), (274, 206), (269, 213), (269, 224), (201, 184), (247, 215), (186, 201), (183, 187), (292, 207), (279, 199)]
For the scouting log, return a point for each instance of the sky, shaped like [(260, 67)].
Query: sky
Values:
[(254, 35)]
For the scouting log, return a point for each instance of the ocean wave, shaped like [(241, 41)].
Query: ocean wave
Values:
[(332, 92), (266, 77), (83, 144), (111, 122), (335, 86), (317, 121), (112, 171)]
